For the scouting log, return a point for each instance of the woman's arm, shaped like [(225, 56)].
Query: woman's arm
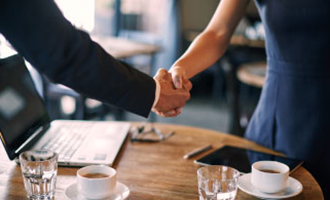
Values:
[(211, 44)]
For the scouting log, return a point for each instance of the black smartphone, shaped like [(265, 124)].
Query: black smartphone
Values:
[(242, 159)]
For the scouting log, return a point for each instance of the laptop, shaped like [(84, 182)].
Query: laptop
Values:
[(25, 124)]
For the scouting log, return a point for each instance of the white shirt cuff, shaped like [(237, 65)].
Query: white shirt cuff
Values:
[(157, 93)]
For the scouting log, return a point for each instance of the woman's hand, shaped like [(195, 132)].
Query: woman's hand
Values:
[(179, 78)]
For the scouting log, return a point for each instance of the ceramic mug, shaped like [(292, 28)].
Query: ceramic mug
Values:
[(269, 176), (96, 181)]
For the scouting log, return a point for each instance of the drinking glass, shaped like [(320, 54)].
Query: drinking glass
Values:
[(39, 171), (217, 182)]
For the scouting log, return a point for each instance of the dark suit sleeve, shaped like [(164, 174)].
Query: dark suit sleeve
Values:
[(40, 33)]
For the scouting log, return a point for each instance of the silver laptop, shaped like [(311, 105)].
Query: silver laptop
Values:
[(25, 124)]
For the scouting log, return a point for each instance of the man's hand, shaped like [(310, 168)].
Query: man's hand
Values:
[(171, 99)]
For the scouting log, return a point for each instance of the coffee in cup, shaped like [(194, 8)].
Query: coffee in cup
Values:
[(96, 181), (95, 175), (269, 176), (270, 171)]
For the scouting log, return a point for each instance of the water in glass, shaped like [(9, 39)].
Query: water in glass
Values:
[(40, 186), (217, 183), (39, 171)]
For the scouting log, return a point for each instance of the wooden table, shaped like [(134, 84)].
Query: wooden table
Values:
[(121, 48), (253, 74), (155, 170)]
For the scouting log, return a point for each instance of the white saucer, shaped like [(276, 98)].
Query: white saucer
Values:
[(122, 192), (294, 188)]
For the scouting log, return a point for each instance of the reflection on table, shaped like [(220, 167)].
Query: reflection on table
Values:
[(155, 170)]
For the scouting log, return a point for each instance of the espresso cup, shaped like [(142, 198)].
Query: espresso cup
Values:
[(96, 181), (269, 176)]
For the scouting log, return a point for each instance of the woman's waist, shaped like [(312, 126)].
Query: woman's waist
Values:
[(308, 68)]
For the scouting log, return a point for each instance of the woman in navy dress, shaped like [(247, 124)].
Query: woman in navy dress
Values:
[(293, 113)]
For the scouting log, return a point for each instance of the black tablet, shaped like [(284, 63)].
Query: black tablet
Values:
[(242, 159)]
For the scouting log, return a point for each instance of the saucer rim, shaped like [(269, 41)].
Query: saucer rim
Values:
[(272, 196), (77, 193)]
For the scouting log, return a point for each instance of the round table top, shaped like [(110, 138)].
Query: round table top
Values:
[(155, 170), (253, 73)]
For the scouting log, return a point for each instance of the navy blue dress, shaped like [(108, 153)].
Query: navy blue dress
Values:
[(293, 113)]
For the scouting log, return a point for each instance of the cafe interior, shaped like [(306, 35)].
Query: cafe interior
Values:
[(149, 35), (220, 99)]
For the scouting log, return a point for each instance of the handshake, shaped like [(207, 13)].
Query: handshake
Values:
[(174, 92)]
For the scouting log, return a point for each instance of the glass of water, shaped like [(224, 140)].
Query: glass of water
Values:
[(39, 170), (217, 182)]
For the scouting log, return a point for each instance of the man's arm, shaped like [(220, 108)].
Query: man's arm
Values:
[(40, 33)]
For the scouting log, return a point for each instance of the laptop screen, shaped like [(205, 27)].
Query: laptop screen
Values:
[(22, 111)]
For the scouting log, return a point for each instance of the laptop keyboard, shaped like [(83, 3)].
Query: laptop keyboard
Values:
[(67, 139)]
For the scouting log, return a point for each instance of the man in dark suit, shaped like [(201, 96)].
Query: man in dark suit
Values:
[(39, 32)]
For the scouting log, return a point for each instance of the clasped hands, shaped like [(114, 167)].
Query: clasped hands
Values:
[(174, 92)]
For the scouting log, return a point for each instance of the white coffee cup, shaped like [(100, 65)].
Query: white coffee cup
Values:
[(96, 181), (269, 176)]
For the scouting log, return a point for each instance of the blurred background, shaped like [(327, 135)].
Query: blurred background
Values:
[(152, 34)]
